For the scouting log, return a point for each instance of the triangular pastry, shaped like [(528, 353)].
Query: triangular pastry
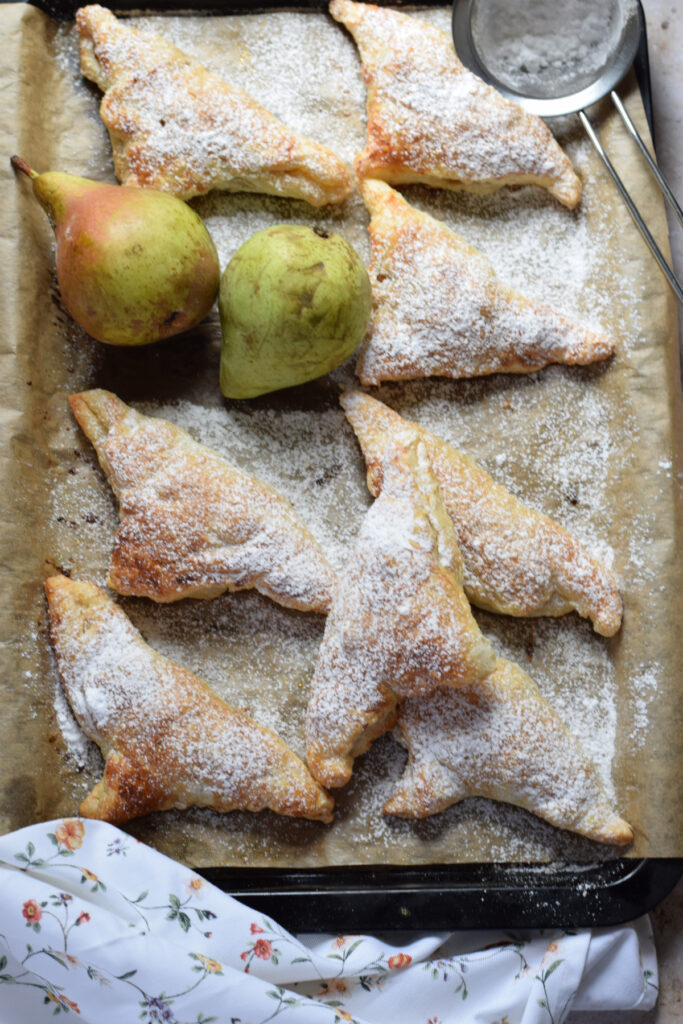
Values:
[(193, 525), (167, 739), (178, 127), (500, 738), (431, 120), (439, 309), (400, 623), (516, 560)]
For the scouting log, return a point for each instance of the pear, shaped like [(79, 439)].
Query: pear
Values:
[(294, 303), (133, 265)]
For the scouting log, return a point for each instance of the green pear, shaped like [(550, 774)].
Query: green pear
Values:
[(133, 265), (294, 303)]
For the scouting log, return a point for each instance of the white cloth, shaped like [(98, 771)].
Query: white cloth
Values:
[(96, 924)]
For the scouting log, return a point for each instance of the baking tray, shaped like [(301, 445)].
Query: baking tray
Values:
[(378, 897)]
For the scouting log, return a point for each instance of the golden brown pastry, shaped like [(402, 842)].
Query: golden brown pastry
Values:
[(500, 738), (167, 739), (431, 120), (516, 561), (192, 525), (400, 623), (439, 310), (177, 127)]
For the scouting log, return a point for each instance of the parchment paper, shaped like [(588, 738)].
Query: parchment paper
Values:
[(597, 448)]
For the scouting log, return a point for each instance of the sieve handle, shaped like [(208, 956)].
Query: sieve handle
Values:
[(632, 208), (633, 131)]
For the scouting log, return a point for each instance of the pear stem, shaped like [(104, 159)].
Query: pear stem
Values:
[(19, 164)]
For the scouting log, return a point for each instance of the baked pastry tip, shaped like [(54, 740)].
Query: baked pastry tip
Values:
[(499, 738), (192, 524), (177, 127), (431, 120), (516, 561), (440, 310), (400, 624), (167, 739)]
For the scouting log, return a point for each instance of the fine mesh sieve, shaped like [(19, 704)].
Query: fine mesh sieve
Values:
[(556, 59)]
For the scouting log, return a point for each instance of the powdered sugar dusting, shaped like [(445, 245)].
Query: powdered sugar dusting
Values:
[(499, 738), (306, 459), (429, 116), (162, 721), (565, 441), (472, 325), (645, 685), (542, 51), (399, 624), (193, 524), (177, 127), (515, 561)]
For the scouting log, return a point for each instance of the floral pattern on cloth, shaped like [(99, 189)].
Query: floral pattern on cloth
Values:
[(96, 925)]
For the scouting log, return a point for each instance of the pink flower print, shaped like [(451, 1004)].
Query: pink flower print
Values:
[(32, 912), (83, 918), (254, 929), (263, 949)]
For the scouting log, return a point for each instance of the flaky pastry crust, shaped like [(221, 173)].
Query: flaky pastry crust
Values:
[(400, 623), (192, 524), (500, 738), (177, 127), (167, 739), (516, 560), (440, 310), (430, 120)]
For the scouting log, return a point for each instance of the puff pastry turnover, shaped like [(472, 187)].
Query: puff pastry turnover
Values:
[(400, 623), (193, 525), (431, 120), (500, 738), (178, 127), (516, 561), (167, 739), (438, 308)]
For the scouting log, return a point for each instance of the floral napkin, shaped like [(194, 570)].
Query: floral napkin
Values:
[(100, 926)]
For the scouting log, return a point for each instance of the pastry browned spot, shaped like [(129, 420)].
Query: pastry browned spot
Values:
[(192, 524), (440, 310), (167, 739), (500, 738), (431, 120), (516, 560), (177, 127), (400, 623)]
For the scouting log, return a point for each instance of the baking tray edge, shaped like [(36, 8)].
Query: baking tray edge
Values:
[(387, 897)]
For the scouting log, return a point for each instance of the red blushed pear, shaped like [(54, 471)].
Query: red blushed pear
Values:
[(133, 265)]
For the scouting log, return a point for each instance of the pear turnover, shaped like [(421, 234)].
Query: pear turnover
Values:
[(431, 120), (471, 325), (177, 127), (193, 525), (516, 560), (500, 738), (400, 623), (167, 739)]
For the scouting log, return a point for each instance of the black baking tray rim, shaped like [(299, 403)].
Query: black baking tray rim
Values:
[(438, 897), (456, 896)]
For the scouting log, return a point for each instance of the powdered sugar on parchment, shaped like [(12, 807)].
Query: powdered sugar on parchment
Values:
[(559, 439)]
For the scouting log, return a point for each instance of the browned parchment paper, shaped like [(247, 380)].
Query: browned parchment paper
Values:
[(597, 448)]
